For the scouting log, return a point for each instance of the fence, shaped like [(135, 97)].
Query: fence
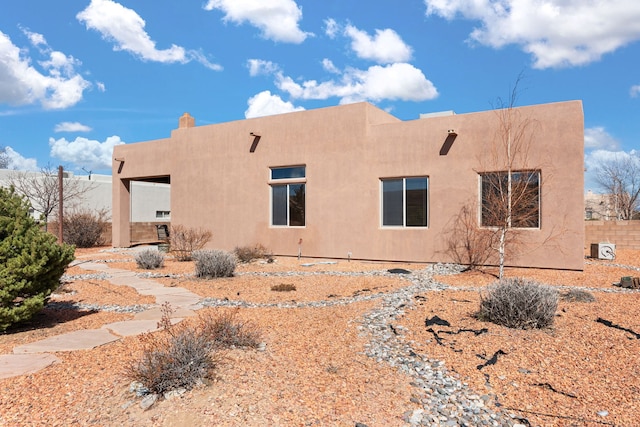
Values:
[(625, 234)]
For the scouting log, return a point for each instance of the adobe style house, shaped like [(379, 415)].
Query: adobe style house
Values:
[(355, 181)]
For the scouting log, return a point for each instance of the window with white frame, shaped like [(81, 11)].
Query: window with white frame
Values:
[(518, 208), (288, 196), (404, 202), (163, 214)]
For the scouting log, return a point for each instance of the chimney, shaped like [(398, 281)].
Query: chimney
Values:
[(186, 121)]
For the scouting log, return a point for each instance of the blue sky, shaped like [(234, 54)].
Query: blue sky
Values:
[(80, 76)]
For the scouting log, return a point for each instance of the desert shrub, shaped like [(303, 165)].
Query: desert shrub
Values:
[(247, 254), (214, 263), (283, 287), (179, 357), (150, 259), (519, 303), (84, 228), (31, 261), (227, 331), (577, 295), (467, 243), (184, 241)]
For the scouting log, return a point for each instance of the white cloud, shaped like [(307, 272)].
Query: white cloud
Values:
[(557, 33), (331, 27), (328, 65), (260, 66), (18, 162), (71, 127), (395, 81), (634, 91), (125, 28), (277, 19), (57, 85), (85, 152), (598, 138), (385, 47), (266, 104)]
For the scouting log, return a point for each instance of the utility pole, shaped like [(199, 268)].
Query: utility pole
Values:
[(60, 207)]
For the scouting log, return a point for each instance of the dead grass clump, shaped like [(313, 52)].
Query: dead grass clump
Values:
[(284, 287), (226, 331), (577, 295), (246, 254)]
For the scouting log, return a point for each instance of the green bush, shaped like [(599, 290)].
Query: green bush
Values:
[(84, 228), (149, 259), (519, 303), (214, 263), (31, 261)]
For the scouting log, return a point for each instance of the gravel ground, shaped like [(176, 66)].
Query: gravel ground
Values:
[(348, 346)]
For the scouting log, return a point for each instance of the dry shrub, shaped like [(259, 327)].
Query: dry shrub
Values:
[(176, 357), (150, 259), (246, 254), (182, 355), (226, 331), (84, 228), (468, 244), (214, 263), (184, 241), (519, 303), (284, 287)]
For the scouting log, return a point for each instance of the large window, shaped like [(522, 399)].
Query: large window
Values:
[(404, 202), (288, 189), (521, 209)]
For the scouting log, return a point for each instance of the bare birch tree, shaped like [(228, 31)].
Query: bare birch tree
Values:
[(619, 177), (510, 187)]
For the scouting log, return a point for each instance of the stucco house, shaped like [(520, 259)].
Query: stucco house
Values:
[(355, 181)]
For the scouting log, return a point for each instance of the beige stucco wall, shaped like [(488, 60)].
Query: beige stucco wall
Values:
[(217, 183)]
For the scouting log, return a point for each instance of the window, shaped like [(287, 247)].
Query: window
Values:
[(288, 191), (163, 214), (525, 199), (404, 202)]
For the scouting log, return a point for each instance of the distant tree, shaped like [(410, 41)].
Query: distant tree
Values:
[(42, 189), (4, 158), (619, 177)]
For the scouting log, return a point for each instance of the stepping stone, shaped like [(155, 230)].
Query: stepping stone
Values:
[(13, 365), (77, 340), (128, 328), (155, 313)]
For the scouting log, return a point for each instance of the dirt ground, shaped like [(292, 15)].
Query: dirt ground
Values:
[(583, 371)]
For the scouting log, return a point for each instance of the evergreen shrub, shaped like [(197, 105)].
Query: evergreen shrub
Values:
[(31, 261)]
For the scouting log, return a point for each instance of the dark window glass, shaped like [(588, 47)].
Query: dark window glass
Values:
[(524, 204), (416, 202), (296, 205), (287, 173), (279, 204), (392, 202)]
